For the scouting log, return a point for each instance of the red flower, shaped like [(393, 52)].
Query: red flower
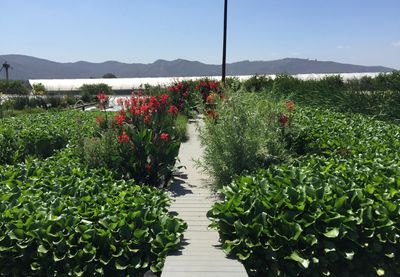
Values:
[(146, 119), (185, 94), (99, 119), (102, 97), (210, 98), (290, 105), (144, 108), (119, 119), (134, 111), (123, 137), (171, 89), (153, 103), (173, 110), (283, 120), (164, 98), (164, 136)]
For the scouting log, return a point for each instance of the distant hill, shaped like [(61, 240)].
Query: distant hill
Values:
[(26, 67)]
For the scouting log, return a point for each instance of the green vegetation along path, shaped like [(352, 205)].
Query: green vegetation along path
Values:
[(200, 254)]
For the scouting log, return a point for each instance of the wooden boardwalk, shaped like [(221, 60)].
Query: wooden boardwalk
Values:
[(200, 253)]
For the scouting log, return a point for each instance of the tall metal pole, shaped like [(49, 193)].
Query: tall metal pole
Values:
[(224, 46)]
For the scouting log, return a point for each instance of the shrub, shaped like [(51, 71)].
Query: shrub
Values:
[(335, 211), (41, 134), (258, 83), (181, 127), (38, 89), (89, 91), (20, 102), (312, 220), (245, 135), (14, 87), (59, 219)]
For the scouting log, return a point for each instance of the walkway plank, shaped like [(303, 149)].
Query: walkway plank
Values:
[(200, 253)]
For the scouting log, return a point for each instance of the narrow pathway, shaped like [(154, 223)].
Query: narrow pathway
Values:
[(200, 253)]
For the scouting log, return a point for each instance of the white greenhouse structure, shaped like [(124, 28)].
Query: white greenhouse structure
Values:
[(126, 84)]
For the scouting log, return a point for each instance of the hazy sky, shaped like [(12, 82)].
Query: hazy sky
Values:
[(365, 32)]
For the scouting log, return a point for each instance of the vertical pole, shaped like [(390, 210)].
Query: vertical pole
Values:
[(7, 73), (224, 46)]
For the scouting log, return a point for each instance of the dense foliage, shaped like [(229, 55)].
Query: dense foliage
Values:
[(13, 87), (246, 133), (335, 211), (59, 219), (89, 91), (40, 135), (378, 96), (142, 140)]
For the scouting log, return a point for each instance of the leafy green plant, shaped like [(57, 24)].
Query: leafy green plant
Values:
[(146, 137), (14, 87), (246, 134), (334, 211), (181, 122), (57, 218), (258, 83), (89, 91), (41, 134)]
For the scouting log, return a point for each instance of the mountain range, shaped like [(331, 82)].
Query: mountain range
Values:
[(27, 67)]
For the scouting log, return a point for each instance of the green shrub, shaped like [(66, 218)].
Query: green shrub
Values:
[(59, 219), (245, 135), (325, 217), (258, 83), (102, 151), (41, 134), (20, 102), (14, 87), (181, 122), (335, 211), (89, 91)]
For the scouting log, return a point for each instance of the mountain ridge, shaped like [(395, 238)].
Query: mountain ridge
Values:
[(28, 67)]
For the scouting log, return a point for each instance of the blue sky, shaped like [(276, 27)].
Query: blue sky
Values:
[(365, 32)]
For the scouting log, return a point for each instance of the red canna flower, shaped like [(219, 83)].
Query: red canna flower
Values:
[(102, 97), (283, 120), (146, 119), (164, 98), (123, 137), (164, 136), (290, 105), (173, 110), (119, 119), (144, 109)]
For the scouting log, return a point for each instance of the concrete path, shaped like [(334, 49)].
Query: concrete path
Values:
[(200, 253)]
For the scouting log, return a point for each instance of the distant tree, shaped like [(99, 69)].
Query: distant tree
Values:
[(109, 76), (89, 91), (38, 89), (13, 87)]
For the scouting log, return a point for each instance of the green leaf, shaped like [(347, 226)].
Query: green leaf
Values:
[(42, 249), (333, 233), (295, 256)]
